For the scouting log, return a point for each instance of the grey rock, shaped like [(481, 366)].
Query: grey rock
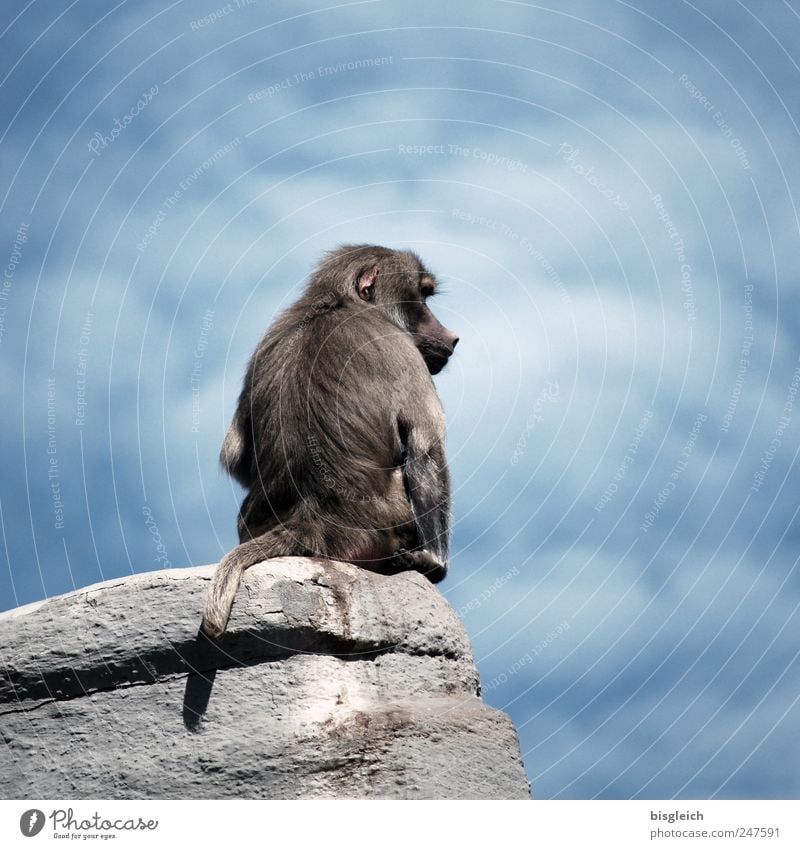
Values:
[(331, 682)]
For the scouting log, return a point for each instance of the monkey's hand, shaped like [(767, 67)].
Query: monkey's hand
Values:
[(420, 561)]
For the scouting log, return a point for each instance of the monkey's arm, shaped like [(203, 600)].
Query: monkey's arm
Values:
[(427, 483), (236, 455)]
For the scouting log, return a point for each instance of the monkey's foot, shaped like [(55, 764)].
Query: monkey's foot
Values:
[(420, 561)]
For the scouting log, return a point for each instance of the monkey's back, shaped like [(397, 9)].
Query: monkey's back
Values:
[(325, 426)]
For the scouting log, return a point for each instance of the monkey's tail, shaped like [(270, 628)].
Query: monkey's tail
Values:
[(228, 576)]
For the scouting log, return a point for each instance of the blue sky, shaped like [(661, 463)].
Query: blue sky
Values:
[(609, 193)]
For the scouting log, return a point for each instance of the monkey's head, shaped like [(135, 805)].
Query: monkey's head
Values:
[(397, 283)]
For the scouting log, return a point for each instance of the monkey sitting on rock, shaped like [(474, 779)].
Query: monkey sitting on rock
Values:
[(338, 434)]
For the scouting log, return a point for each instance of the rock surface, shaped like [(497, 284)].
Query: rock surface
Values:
[(331, 682)]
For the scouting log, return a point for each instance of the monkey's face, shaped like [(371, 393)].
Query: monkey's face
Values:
[(401, 285), (433, 340)]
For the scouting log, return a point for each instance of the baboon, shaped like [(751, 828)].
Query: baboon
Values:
[(339, 434)]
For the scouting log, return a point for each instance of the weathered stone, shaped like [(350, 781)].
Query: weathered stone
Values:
[(330, 682)]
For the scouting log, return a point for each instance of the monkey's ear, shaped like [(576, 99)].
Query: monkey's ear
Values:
[(366, 282)]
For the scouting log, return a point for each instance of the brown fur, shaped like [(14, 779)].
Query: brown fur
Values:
[(338, 433)]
